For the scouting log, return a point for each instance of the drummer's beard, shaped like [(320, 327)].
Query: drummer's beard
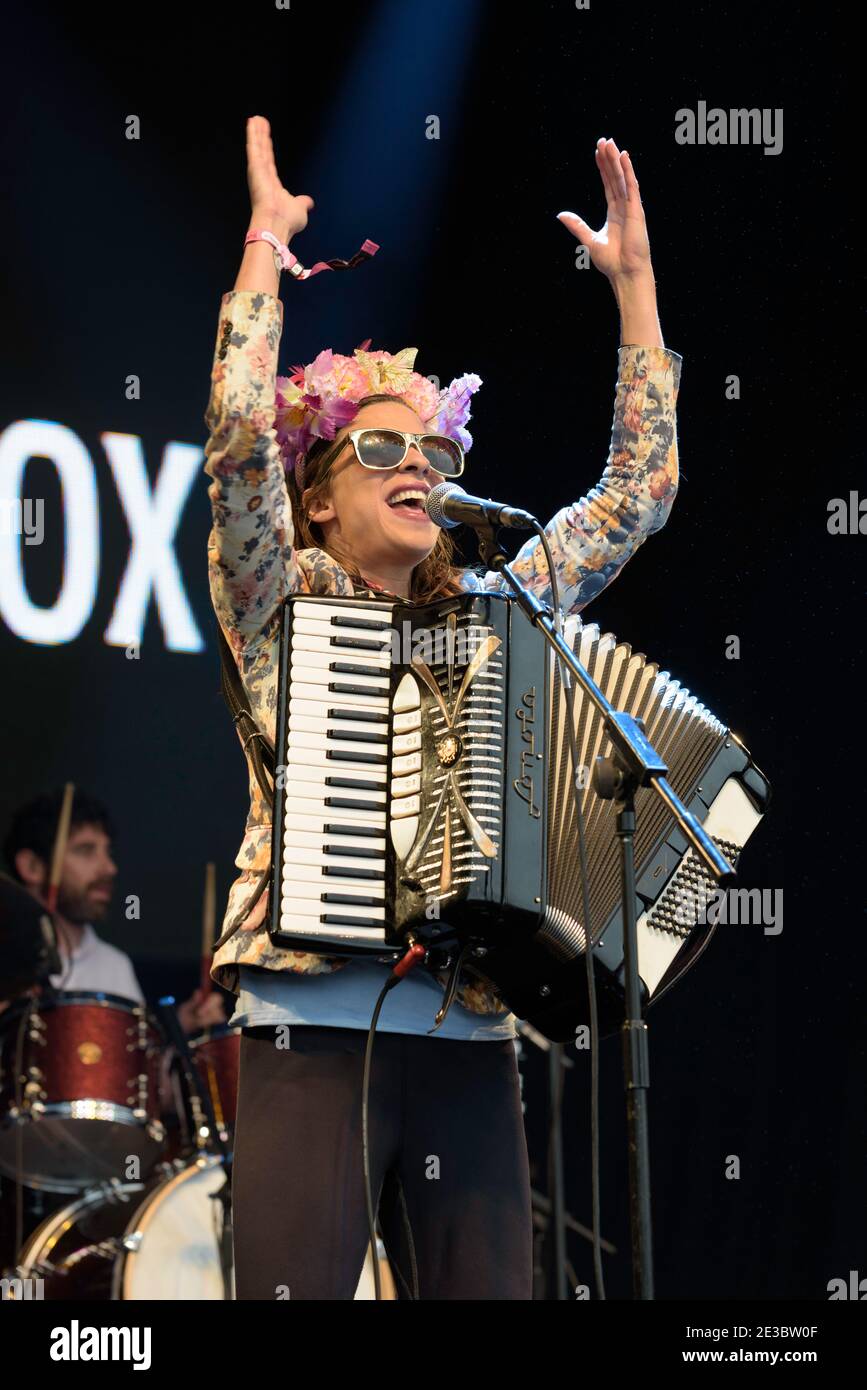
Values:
[(80, 907)]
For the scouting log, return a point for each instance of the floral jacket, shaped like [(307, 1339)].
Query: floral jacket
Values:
[(253, 565)]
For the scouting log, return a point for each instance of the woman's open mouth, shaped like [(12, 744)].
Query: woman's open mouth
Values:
[(409, 502)]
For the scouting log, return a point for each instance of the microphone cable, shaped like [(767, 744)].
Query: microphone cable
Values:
[(412, 956)]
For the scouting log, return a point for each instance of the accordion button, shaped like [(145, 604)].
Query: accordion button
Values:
[(403, 723), (409, 806), (406, 786), (406, 743), (411, 762)]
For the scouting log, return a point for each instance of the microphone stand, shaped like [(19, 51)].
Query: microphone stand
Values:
[(557, 1230), (633, 764)]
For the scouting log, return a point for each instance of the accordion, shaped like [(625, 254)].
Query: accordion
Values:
[(424, 786)]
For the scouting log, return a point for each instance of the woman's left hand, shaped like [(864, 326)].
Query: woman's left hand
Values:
[(620, 249)]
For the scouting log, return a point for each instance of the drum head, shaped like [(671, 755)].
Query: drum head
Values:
[(172, 1246)]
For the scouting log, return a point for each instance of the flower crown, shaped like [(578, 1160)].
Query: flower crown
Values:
[(317, 400)]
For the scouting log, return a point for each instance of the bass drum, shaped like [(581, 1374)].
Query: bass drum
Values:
[(154, 1240), (172, 1249), (159, 1240)]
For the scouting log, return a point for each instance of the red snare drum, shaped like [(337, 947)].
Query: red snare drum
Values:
[(79, 1090), (216, 1053)]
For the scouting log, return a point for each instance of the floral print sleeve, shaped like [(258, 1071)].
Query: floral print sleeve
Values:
[(592, 540), (251, 561)]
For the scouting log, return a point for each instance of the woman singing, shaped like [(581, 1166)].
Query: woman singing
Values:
[(299, 506)]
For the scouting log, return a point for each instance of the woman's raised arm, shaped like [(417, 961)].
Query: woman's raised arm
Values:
[(620, 250), (593, 539), (273, 209), (251, 560)]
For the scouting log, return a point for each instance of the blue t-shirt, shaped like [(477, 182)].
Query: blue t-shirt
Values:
[(347, 997)]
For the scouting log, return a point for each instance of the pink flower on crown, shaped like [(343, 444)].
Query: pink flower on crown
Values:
[(423, 397), (350, 378)]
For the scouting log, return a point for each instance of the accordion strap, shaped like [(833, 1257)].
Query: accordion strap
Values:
[(258, 748)]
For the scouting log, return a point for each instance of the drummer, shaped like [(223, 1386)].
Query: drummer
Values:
[(87, 883)]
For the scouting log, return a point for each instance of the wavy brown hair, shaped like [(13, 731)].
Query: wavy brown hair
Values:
[(435, 577)]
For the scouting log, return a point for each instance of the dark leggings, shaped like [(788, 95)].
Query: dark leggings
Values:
[(448, 1161)]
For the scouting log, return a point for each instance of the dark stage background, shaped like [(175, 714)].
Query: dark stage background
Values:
[(115, 259)]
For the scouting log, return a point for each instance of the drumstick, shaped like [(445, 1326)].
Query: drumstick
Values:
[(209, 916), (58, 853)]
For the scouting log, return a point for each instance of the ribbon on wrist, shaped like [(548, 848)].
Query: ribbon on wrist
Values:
[(284, 259)]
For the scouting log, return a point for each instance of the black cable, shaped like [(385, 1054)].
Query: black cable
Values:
[(412, 956), (365, 1136), (569, 692)]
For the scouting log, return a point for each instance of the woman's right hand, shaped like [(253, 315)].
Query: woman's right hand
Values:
[(268, 198)]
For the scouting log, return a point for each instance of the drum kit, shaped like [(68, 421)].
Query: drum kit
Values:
[(81, 1124), (136, 1209)]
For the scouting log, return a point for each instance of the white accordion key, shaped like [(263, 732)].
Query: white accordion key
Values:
[(316, 694)]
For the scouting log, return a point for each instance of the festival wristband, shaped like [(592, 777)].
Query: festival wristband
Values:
[(284, 259)]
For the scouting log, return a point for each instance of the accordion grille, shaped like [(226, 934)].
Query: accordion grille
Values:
[(684, 733), (448, 858)]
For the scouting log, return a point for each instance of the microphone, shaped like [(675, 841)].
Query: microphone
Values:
[(448, 505)]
